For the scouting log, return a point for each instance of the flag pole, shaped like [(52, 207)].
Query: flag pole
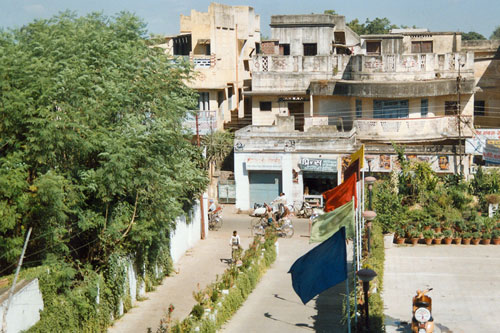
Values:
[(355, 266), (348, 305)]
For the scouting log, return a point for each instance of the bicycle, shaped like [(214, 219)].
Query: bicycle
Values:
[(284, 228), (215, 220)]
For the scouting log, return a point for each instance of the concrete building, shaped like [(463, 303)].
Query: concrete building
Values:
[(319, 91), (219, 44), (486, 100)]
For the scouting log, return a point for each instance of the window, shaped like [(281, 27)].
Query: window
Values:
[(421, 47), (203, 101), (265, 106), (424, 107), (284, 49), (390, 109), (479, 108), (310, 49), (450, 108), (373, 47), (359, 108), (207, 49), (257, 48)]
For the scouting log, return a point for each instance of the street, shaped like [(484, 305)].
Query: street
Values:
[(466, 282)]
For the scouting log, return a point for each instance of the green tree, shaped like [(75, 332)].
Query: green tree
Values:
[(496, 33), (472, 35), (93, 154), (372, 27), (330, 11)]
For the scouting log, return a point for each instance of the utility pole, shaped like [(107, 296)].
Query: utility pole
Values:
[(11, 291), (459, 121), (202, 211)]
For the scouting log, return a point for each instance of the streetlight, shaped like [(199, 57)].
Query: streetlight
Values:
[(369, 215), (366, 275)]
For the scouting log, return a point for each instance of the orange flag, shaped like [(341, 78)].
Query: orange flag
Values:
[(341, 194)]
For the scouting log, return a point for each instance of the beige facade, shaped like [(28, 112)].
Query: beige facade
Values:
[(219, 44)]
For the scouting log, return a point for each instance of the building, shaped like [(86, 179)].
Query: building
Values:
[(319, 91), (219, 44), (486, 101)]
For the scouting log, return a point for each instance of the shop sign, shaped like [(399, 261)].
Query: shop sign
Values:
[(264, 163), (491, 152), (317, 164), (477, 143)]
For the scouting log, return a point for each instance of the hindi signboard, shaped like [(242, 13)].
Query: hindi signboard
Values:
[(317, 164)]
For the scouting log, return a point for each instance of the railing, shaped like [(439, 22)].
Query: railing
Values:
[(207, 122), (413, 129), (332, 64), (203, 61)]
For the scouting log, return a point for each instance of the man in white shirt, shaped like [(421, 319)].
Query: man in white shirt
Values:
[(235, 242)]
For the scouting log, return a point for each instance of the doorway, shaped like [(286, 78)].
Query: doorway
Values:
[(297, 110)]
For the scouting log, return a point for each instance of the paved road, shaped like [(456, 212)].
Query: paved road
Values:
[(466, 282), (274, 307)]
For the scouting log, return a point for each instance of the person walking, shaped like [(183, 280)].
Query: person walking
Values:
[(235, 243)]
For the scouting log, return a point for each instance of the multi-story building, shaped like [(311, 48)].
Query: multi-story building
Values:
[(319, 91), (486, 101), (219, 44)]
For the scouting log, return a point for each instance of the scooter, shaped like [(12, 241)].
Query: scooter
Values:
[(422, 320)]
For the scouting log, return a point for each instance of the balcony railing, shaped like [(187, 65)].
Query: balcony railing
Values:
[(207, 122), (413, 129), (203, 61)]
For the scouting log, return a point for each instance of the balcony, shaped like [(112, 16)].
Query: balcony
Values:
[(404, 67), (207, 122), (413, 129), (203, 61)]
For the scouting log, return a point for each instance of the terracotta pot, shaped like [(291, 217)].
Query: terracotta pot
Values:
[(428, 241), (414, 241), (496, 241), (437, 230), (457, 240), (447, 241), (486, 241), (466, 241), (475, 241), (438, 241), (427, 227), (400, 240)]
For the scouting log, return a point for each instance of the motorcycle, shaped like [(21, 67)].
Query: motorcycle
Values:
[(215, 219), (422, 320)]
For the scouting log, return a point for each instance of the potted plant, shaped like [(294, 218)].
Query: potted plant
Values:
[(428, 236), (436, 225), (414, 236), (438, 238), (447, 236), (486, 238), (476, 238), (495, 234), (399, 235), (466, 237), (457, 239), (426, 224), (459, 225)]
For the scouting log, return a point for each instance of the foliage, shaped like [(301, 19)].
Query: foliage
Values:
[(428, 234), (372, 27), (472, 35), (330, 11), (496, 33), (388, 206), (93, 155), (218, 145)]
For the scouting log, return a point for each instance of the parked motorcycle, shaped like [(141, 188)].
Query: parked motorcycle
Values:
[(422, 320)]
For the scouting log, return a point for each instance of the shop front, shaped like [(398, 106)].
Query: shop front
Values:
[(318, 175)]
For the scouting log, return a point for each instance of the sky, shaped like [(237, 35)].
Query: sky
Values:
[(162, 16)]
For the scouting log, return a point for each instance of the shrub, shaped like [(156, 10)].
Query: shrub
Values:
[(447, 233), (428, 234)]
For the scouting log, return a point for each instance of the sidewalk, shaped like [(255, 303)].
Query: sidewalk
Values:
[(195, 270)]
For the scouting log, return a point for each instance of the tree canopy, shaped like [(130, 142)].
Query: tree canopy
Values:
[(496, 33), (472, 35), (93, 154), (372, 27)]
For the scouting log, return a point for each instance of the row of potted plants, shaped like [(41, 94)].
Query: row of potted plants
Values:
[(449, 236)]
